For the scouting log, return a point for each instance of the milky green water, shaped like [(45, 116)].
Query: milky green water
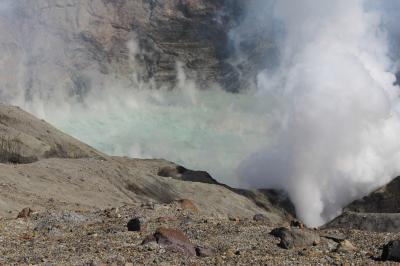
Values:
[(208, 130)]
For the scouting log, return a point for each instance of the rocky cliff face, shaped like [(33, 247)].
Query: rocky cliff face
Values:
[(383, 200), (73, 46)]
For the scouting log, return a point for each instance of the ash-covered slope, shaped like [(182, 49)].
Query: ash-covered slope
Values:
[(79, 177), (25, 138)]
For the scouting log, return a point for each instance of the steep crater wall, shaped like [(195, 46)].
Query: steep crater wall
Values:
[(74, 45)]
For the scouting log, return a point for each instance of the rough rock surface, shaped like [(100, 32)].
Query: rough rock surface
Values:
[(174, 240), (296, 237), (391, 251), (75, 45), (377, 222), (384, 200)]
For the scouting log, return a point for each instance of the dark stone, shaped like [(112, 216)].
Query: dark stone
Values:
[(295, 237), (181, 173), (391, 251), (134, 225)]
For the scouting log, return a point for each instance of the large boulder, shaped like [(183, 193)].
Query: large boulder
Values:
[(296, 237)]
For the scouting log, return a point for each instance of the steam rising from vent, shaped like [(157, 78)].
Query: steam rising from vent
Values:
[(322, 122), (336, 101)]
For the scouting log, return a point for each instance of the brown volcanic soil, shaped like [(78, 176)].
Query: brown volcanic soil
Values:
[(100, 237), (88, 183)]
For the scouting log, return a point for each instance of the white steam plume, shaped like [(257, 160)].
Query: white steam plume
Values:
[(338, 136)]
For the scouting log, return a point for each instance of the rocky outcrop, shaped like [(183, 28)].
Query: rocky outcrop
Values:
[(384, 200), (273, 201), (376, 222)]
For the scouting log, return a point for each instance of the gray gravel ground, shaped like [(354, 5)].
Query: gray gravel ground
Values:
[(100, 237)]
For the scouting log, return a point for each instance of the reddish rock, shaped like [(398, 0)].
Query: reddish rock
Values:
[(176, 240), (189, 205), (25, 213)]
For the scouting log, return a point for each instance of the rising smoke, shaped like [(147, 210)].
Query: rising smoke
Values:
[(337, 106), (321, 124)]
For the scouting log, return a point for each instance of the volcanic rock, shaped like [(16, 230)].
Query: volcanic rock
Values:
[(295, 237), (175, 239), (383, 200), (181, 173), (391, 251), (134, 225), (101, 38), (345, 246), (376, 222)]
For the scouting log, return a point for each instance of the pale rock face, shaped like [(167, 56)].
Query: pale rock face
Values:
[(73, 46)]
